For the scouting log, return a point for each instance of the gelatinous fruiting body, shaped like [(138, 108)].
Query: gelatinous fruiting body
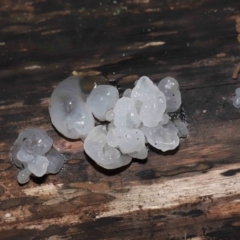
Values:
[(236, 99), (132, 141), (101, 99), (182, 128), (153, 102), (33, 153), (68, 111), (163, 137), (139, 117), (125, 114), (170, 87), (127, 92), (104, 155)]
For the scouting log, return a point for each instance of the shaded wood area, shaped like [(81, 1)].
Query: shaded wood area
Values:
[(190, 193)]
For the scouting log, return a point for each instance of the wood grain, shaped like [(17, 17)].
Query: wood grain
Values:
[(192, 192)]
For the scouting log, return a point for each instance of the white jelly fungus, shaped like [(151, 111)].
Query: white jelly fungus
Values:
[(97, 148), (102, 99), (182, 128), (163, 137), (33, 153), (236, 99), (139, 117), (170, 87), (68, 111), (153, 102)]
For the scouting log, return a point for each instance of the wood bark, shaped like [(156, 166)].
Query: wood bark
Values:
[(192, 192)]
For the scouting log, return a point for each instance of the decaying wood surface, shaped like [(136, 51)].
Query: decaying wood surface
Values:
[(190, 193)]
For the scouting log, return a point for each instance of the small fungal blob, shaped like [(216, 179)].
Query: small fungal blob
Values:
[(127, 92), (236, 99), (96, 146), (101, 99), (153, 101), (163, 137), (170, 87), (125, 114), (69, 113), (182, 128), (33, 153)]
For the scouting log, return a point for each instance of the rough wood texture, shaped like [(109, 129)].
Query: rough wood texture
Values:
[(190, 193)]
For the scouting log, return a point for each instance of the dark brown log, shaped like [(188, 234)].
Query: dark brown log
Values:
[(190, 193)]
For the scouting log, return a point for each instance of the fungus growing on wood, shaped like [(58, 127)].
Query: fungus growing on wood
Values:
[(170, 87), (138, 118), (101, 152), (68, 111), (33, 153), (236, 99), (102, 99)]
